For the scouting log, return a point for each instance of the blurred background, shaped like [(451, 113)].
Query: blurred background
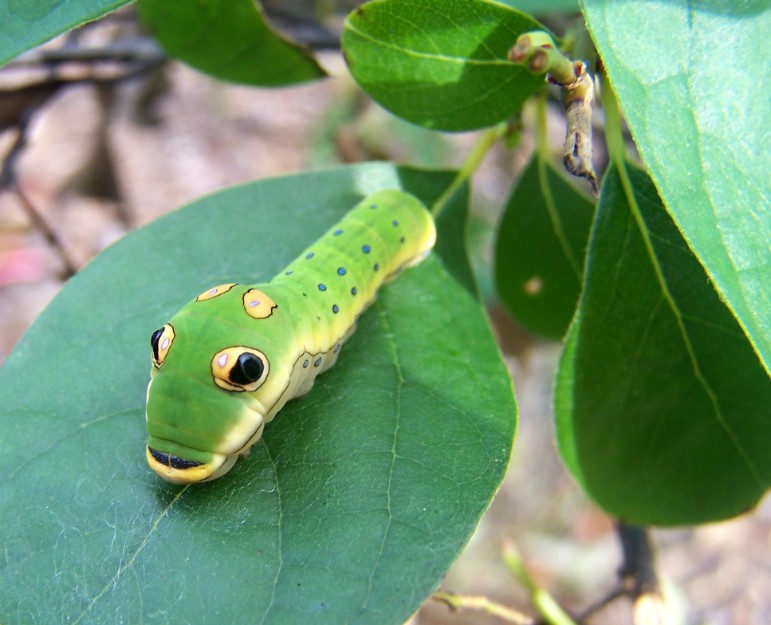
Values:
[(86, 161)]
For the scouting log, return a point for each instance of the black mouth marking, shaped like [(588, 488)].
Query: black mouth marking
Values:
[(175, 462)]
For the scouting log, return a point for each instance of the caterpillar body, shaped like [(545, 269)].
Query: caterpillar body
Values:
[(228, 361)]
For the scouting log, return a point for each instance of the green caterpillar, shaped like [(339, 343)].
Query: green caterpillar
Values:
[(228, 361)]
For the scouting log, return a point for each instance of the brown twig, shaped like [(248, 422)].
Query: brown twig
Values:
[(8, 179), (70, 267), (479, 603), (7, 171), (140, 51), (638, 567), (595, 607), (19, 105), (578, 99), (638, 576), (537, 52), (9, 182)]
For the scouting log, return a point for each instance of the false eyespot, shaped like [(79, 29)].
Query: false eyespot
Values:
[(161, 341), (215, 291), (239, 368)]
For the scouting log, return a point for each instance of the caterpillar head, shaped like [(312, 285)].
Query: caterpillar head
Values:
[(205, 402)]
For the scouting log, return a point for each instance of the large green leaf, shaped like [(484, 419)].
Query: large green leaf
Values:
[(349, 511), (25, 24), (540, 250), (228, 39), (442, 64), (690, 77), (664, 410)]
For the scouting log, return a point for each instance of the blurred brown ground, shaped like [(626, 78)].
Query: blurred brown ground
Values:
[(209, 135)]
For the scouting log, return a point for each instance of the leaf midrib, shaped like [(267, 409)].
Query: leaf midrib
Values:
[(678, 315), (459, 60)]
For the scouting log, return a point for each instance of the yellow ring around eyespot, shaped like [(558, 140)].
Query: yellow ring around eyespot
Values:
[(164, 344), (225, 359)]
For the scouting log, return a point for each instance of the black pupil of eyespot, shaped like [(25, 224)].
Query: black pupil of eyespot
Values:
[(154, 340), (248, 369)]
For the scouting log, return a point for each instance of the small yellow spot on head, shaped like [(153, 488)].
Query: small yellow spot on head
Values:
[(258, 305), (533, 286), (215, 291)]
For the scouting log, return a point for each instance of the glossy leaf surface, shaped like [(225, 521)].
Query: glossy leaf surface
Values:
[(663, 408), (690, 79), (25, 24), (355, 502), (228, 39), (440, 65), (539, 255)]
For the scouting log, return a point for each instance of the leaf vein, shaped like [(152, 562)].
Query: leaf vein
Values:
[(460, 60), (130, 563), (659, 272), (389, 510), (279, 540)]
